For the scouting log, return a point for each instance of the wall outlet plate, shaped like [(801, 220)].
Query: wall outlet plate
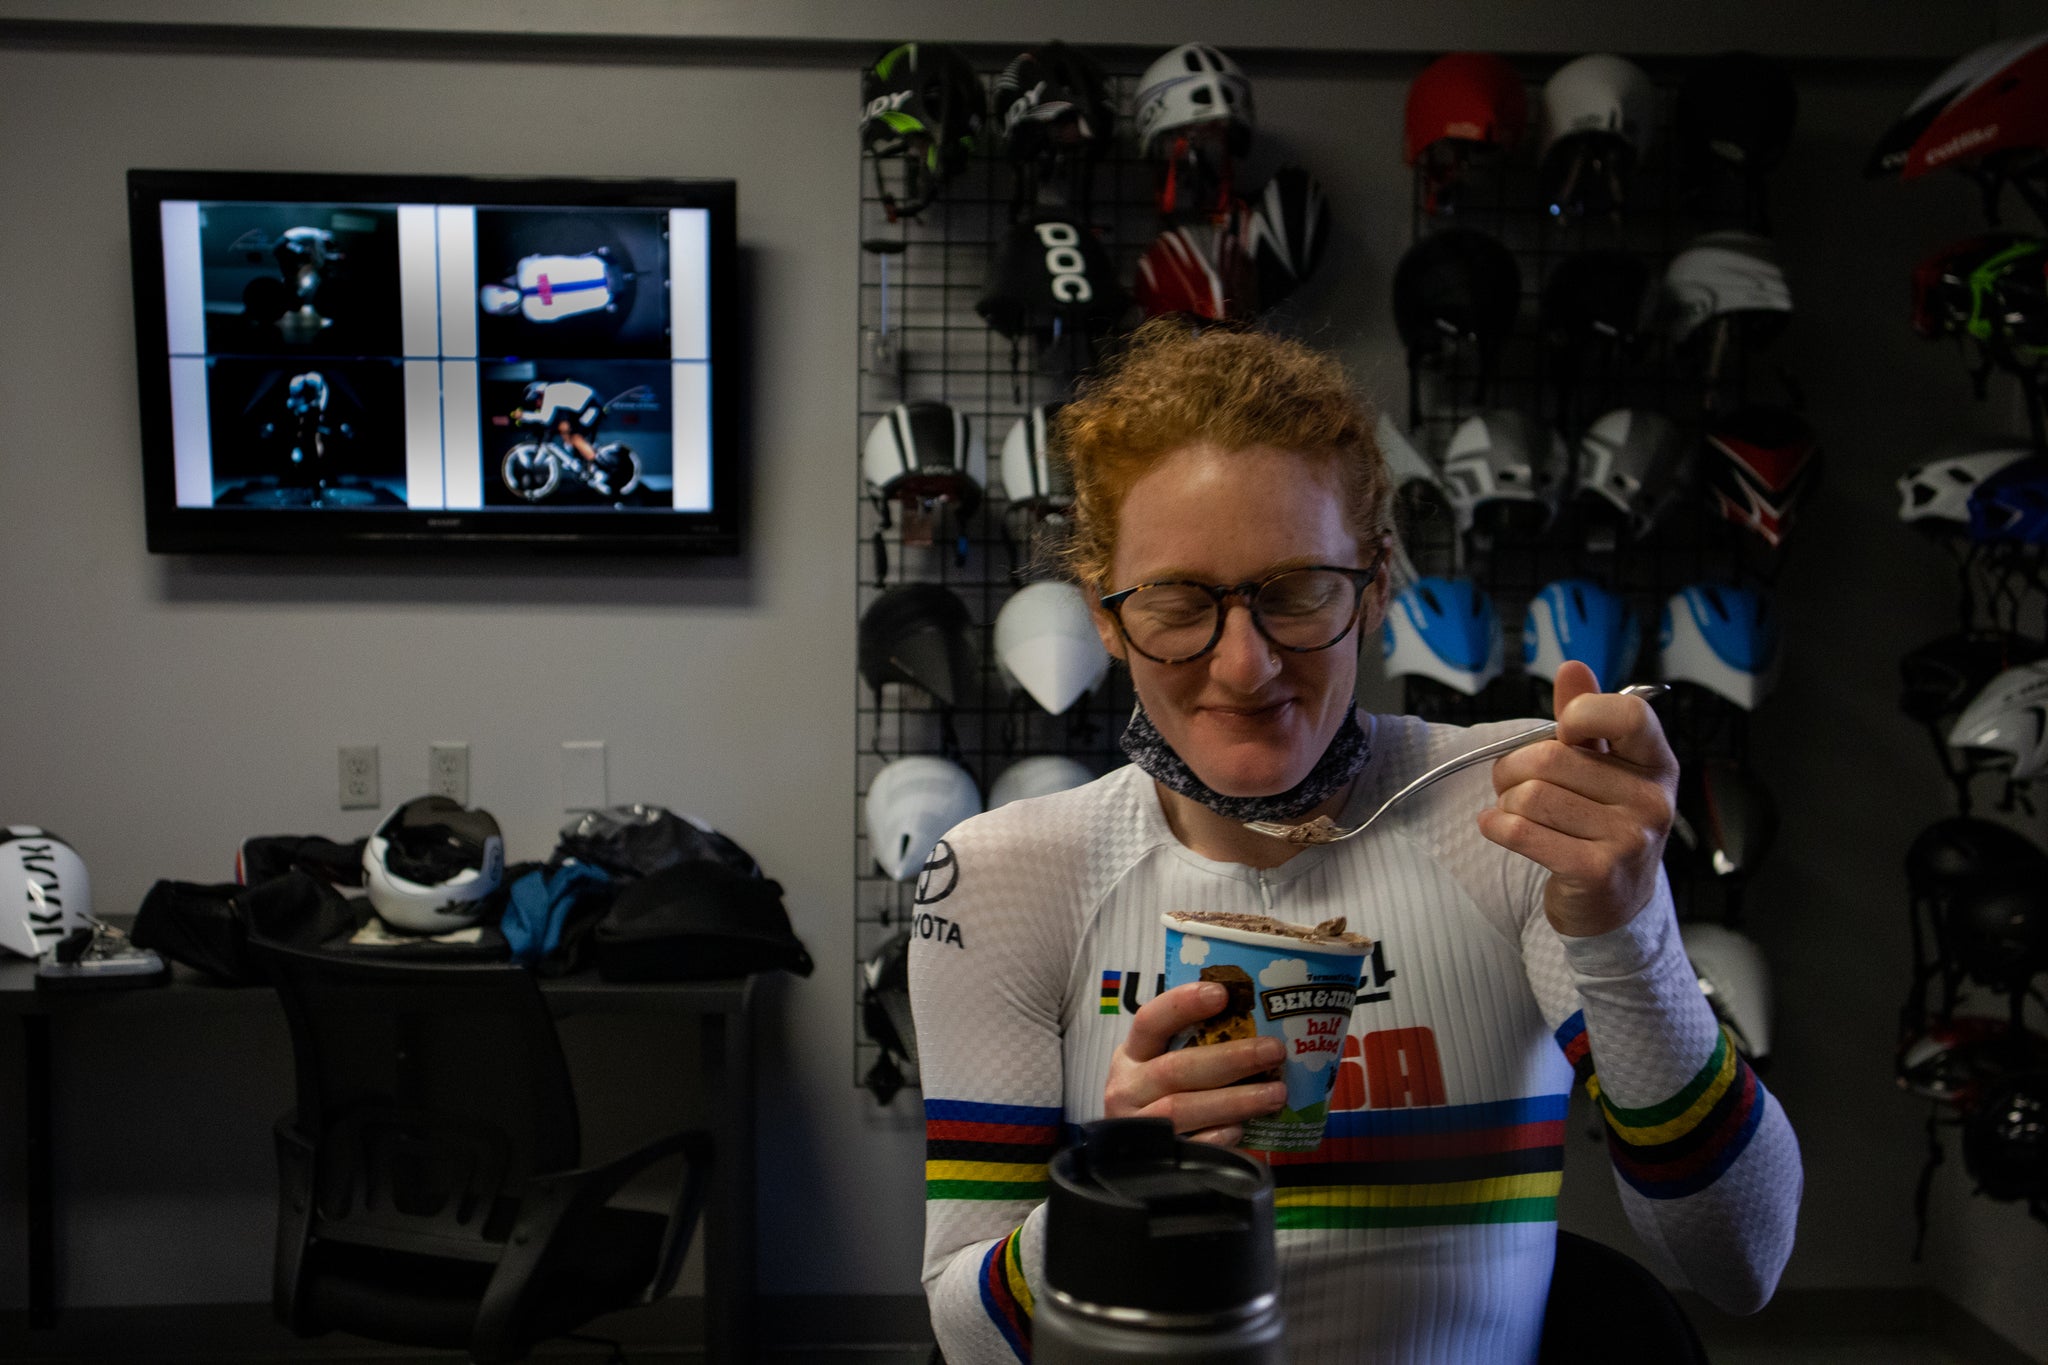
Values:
[(359, 784), (583, 779), (448, 770)]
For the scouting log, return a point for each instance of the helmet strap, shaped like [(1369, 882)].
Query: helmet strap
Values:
[(1346, 754)]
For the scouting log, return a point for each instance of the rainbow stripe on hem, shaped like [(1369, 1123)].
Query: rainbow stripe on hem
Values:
[(988, 1151), (1006, 1296), (1432, 1166), (1683, 1145)]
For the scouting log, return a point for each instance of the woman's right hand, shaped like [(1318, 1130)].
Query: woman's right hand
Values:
[(1196, 1087)]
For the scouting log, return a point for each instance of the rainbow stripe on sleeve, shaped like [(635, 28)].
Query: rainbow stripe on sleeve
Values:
[(1006, 1296), (987, 1151), (1434, 1166), (1681, 1146)]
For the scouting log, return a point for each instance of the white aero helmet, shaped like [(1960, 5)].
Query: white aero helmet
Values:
[(1938, 489), (2010, 716), (44, 892), (1599, 119), (1724, 274), (1723, 638), (922, 451), (1192, 85), (431, 863), (1405, 464), (1445, 629), (1501, 471), (1736, 981), (910, 805), (1047, 644), (1031, 477), (1630, 459), (1039, 775)]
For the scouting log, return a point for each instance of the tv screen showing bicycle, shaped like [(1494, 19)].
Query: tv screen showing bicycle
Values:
[(405, 362)]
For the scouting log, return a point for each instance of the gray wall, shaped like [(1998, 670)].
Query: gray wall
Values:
[(156, 710)]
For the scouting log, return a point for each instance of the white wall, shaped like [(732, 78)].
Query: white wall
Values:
[(155, 711)]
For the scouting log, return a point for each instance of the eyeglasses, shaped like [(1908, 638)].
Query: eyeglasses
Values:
[(1299, 610)]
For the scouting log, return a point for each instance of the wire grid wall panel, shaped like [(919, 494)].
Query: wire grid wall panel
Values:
[(922, 294), (1692, 542)]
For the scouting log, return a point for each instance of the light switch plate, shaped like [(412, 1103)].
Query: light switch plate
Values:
[(583, 780)]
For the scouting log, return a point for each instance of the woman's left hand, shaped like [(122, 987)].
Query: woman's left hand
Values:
[(1593, 805)]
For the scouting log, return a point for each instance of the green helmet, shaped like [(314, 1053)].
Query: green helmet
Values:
[(920, 102)]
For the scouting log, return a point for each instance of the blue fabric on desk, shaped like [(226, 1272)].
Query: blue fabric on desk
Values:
[(540, 903)]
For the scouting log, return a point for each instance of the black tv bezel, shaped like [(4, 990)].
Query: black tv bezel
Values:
[(172, 529)]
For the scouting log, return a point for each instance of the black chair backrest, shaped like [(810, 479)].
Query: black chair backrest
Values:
[(1606, 1309), (431, 1094)]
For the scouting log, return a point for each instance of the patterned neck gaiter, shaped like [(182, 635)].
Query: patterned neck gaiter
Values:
[(1341, 761)]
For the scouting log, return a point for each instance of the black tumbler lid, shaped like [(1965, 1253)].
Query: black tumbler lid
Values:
[(1139, 1218)]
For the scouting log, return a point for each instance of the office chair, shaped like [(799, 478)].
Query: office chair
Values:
[(1605, 1309), (430, 1192)]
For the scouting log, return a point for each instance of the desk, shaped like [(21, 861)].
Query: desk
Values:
[(721, 1009)]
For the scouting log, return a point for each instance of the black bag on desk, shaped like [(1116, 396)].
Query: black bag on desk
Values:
[(697, 921), (208, 926)]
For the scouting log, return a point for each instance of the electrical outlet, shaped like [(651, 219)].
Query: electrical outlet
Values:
[(448, 770), (583, 781), (359, 777)]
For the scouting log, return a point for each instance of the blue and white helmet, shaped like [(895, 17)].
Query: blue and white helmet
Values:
[(1723, 638), (1576, 618), (1445, 629)]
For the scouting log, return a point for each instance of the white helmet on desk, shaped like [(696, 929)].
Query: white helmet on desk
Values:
[(44, 892), (431, 863)]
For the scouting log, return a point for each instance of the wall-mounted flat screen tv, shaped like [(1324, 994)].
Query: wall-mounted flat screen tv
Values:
[(417, 363)]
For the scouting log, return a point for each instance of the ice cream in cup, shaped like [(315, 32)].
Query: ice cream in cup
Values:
[(1294, 982)]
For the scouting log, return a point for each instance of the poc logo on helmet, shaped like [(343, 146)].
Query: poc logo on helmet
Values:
[(1064, 262)]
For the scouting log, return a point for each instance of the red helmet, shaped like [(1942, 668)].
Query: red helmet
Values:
[(1471, 97), (2003, 111), (1769, 457), (1176, 275)]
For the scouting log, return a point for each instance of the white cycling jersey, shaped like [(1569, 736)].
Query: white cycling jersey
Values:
[(1424, 1227)]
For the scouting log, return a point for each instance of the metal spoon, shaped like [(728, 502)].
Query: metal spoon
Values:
[(1324, 830)]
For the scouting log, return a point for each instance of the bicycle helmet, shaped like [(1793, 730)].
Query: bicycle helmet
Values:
[(431, 863), (1193, 89), (1445, 629), (1175, 275), (2011, 506), (1722, 638), (1938, 679), (1952, 1061), (1502, 470), (1599, 123), (921, 103), (1594, 300), (2010, 716), (1463, 103), (1041, 775), (1996, 930), (1034, 476), (1405, 464), (1725, 278), (1894, 149), (2005, 1141), (1047, 645), (1284, 233), (1735, 113), (1769, 457), (47, 892), (1452, 287), (926, 452), (1953, 855), (1576, 618), (918, 634), (1726, 821), (1998, 118), (910, 805), (1629, 464), (1051, 103), (1049, 278), (1736, 981), (1989, 289), (886, 1018), (1936, 492)]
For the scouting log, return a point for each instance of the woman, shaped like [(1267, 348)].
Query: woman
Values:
[(1232, 517)]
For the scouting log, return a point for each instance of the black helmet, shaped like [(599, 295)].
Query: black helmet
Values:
[(918, 634), (1996, 930), (1594, 299), (885, 1017), (2005, 1141), (1955, 854), (1455, 285), (1735, 112), (1050, 278), (1726, 820), (1052, 102), (1285, 232), (1940, 678), (923, 103)]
